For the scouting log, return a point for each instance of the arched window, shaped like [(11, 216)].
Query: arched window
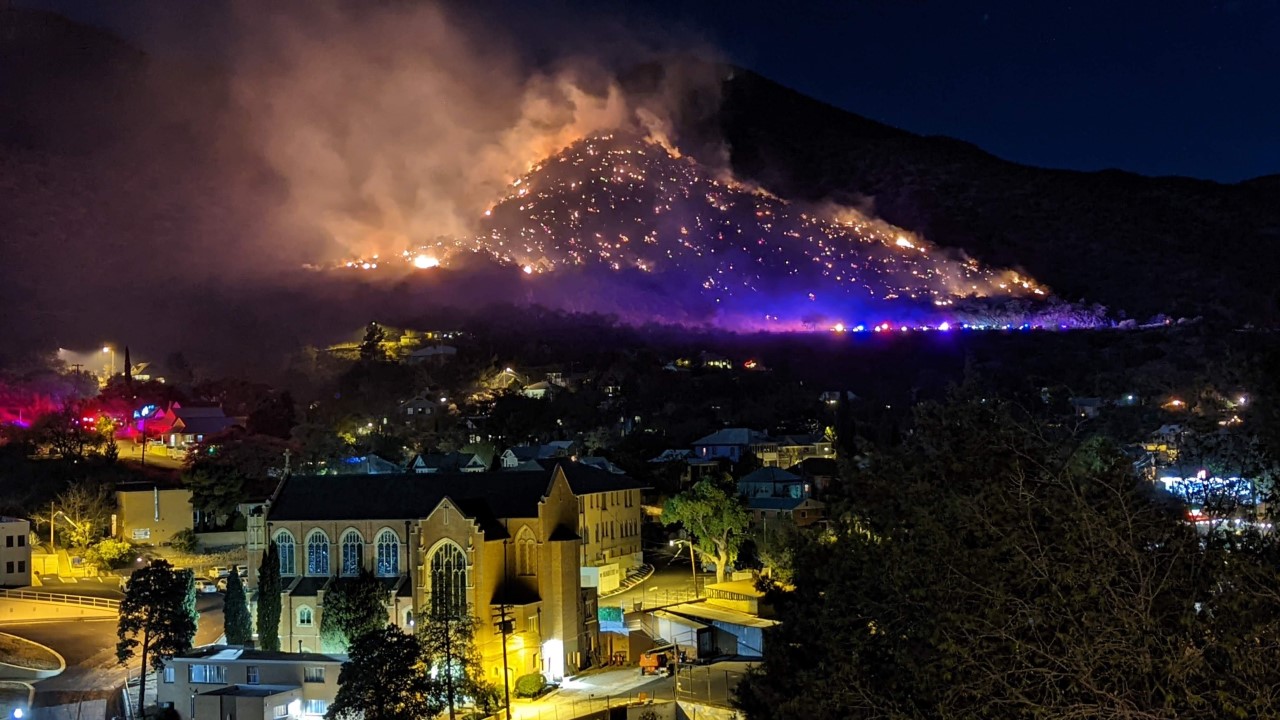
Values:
[(449, 582), (288, 552), (352, 552), (317, 553), (408, 618), (388, 550), (526, 553), (305, 617)]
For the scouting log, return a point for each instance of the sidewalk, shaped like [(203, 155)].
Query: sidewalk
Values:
[(633, 578)]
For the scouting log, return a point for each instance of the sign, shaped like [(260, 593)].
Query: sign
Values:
[(611, 619)]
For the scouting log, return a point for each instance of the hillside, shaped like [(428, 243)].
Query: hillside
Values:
[(129, 181)]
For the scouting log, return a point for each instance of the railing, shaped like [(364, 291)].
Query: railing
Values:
[(82, 600)]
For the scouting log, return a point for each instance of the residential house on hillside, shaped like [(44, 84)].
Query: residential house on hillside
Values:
[(540, 390), (787, 450), (443, 544), (437, 354), (179, 426), (820, 473), (730, 444), (803, 511), (228, 681), (422, 406), (1087, 407), (519, 456), (447, 462), (773, 482), (367, 464)]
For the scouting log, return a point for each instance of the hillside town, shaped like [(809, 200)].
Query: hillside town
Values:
[(545, 519)]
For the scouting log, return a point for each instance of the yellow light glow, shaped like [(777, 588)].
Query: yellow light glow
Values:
[(423, 262)]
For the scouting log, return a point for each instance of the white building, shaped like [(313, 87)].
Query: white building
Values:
[(227, 681), (15, 553)]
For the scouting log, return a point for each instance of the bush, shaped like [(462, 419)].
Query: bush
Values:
[(111, 552), (531, 685), (185, 541)]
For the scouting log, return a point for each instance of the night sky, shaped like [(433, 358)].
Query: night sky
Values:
[(1165, 87)]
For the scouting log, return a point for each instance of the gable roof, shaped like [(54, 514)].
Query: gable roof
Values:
[(485, 496), (780, 503), (770, 475), (732, 436), (585, 479)]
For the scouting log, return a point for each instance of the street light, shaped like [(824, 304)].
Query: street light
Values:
[(693, 562), (109, 349)]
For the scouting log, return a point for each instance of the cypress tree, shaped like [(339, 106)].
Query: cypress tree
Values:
[(269, 599), (235, 612)]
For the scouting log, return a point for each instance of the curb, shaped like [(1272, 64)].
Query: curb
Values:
[(623, 588), (29, 673)]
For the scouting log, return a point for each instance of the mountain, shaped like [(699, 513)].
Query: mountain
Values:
[(125, 183), (1136, 244)]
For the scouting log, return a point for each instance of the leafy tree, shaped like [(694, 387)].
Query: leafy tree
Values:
[(449, 649), (159, 606), (269, 590), (274, 417), (385, 679), (353, 606), (717, 520), (371, 345), (65, 435), (235, 612), (997, 566), (228, 468), (80, 514)]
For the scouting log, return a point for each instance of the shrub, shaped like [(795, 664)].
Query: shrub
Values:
[(185, 541), (111, 552), (531, 685)]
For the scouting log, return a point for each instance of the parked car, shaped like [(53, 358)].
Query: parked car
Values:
[(206, 586), (222, 581), (219, 571)]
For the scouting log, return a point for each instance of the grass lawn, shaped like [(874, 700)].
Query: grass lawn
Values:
[(23, 653)]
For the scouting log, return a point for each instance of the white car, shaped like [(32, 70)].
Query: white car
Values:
[(206, 586)]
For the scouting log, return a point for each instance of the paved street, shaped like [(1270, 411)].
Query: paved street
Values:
[(671, 582), (131, 452), (89, 647)]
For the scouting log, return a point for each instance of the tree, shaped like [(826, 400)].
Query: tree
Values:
[(353, 606), (371, 345), (997, 566), (235, 612), (269, 590), (449, 649), (159, 606), (385, 678), (225, 469), (275, 416), (80, 514), (65, 435), (716, 519)]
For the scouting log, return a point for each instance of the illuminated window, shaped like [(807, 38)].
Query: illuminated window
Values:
[(388, 549), (317, 553), (352, 549), (313, 674), (287, 551), (207, 674), (448, 581), (526, 553), (305, 617)]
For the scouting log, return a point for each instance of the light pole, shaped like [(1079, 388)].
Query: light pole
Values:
[(693, 562), (109, 349)]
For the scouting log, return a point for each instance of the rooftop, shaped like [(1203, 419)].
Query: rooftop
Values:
[(234, 653), (256, 691), (733, 436)]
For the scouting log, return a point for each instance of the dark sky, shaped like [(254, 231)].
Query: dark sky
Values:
[(1182, 87)]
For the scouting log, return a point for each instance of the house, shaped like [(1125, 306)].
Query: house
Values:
[(482, 544), (730, 444), (228, 681), (437, 354), (149, 513), (773, 482), (367, 464), (731, 621), (540, 390), (672, 456), (802, 511), (180, 427), (1086, 407), (422, 406), (447, 462), (519, 456), (820, 473), (15, 553), (601, 463), (713, 361), (794, 449)]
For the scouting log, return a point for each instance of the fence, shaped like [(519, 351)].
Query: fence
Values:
[(592, 707), (657, 598), (81, 600)]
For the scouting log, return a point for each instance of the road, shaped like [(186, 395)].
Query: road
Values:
[(89, 647), (670, 583), (131, 452)]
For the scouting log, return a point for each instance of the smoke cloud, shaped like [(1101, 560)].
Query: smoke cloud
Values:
[(398, 125)]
